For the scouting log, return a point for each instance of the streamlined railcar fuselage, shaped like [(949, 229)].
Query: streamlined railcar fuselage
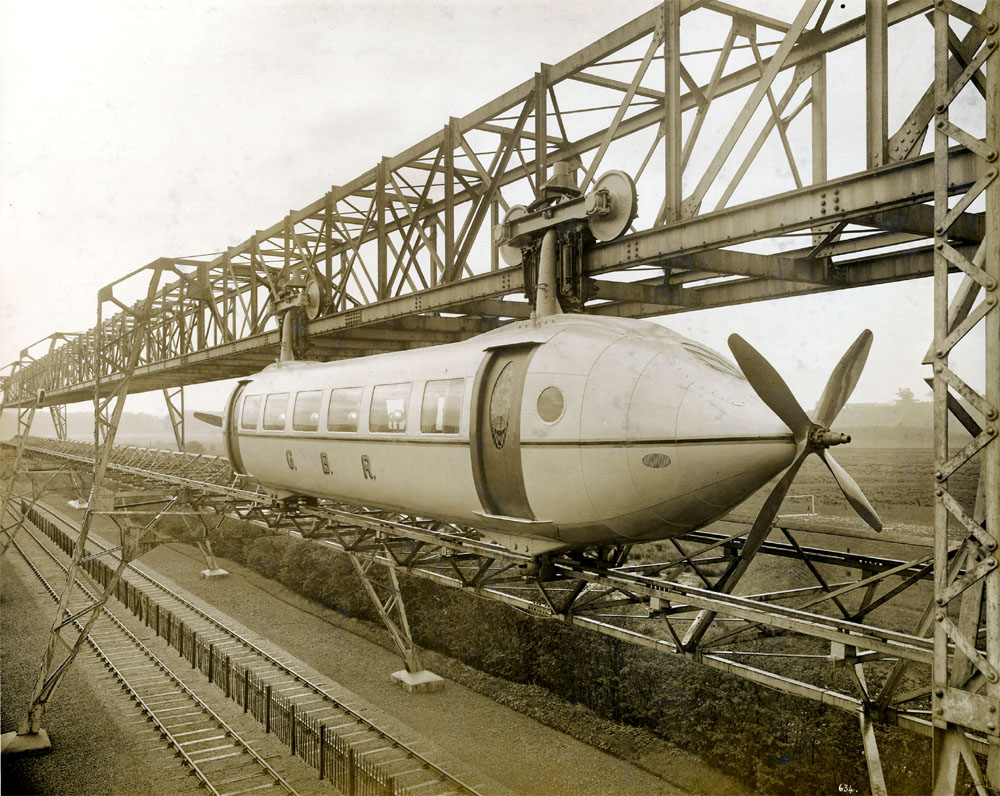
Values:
[(562, 432)]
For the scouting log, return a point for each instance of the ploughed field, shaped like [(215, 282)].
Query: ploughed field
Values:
[(899, 483)]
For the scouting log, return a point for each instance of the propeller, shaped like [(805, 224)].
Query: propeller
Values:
[(810, 437), (212, 420)]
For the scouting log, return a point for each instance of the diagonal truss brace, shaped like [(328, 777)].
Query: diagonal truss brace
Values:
[(24, 417), (966, 667), (108, 412), (391, 608)]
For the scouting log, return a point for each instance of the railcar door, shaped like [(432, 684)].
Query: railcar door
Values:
[(231, 431), (495, 432)]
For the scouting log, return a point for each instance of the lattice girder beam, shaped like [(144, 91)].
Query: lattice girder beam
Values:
[(226, 301), (970, 645)]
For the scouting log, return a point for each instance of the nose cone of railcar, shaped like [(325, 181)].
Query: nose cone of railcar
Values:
[(724, 442)]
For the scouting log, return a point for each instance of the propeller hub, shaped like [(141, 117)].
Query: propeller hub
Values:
[(824, 438)]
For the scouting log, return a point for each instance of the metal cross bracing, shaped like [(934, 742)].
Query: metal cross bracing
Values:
[(966, 614), (841, 621), (689, 98), (403, 255)]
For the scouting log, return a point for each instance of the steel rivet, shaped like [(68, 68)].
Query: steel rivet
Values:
[(939, 353), (993, 677), (991, 413), (939, 230), (940, 108), (939, 617), (991, 726), (991, 430), (939, 475), (939, 246), (991, 156), (993, 708), (940, 711), (939, 601), (939, 692), (939, 368), (991, 300), (939, 492), (940, 125), (991, 563)]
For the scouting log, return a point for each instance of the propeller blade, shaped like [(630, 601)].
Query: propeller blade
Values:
[(212, 420), (762, 525), (770, 386), (755, 538), (843, 380), (851, 490)]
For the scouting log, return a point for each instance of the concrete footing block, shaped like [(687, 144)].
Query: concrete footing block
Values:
[(31, 744), (422, 682), (214, 573)]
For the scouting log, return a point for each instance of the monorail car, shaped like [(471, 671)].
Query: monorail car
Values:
[(560, 432)]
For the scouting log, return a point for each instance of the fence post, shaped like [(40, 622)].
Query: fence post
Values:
[(246, 689), (350, 790), (291, 724), (322, 751), (228, 677), (267, 709), (194, 649), (157, 620), (211, 663)]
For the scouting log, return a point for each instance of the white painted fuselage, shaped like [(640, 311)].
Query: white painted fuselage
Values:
[(570, 431)]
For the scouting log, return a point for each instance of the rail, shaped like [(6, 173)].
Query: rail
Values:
[(315, 741), (110, 650)]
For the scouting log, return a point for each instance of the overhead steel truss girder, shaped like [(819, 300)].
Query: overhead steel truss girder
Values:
[(411, 238)]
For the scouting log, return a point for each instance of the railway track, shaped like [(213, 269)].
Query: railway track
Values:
[(222, 760), (290, 703)]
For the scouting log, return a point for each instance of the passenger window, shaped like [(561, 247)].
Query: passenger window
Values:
[(275, 408), (251, 411), (388, 411), (345, 408), (306, 414), (442, 407)]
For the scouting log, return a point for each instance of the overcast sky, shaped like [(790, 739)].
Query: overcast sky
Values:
[(133, 130)]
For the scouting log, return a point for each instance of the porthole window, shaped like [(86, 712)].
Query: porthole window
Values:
[(551, 404)]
